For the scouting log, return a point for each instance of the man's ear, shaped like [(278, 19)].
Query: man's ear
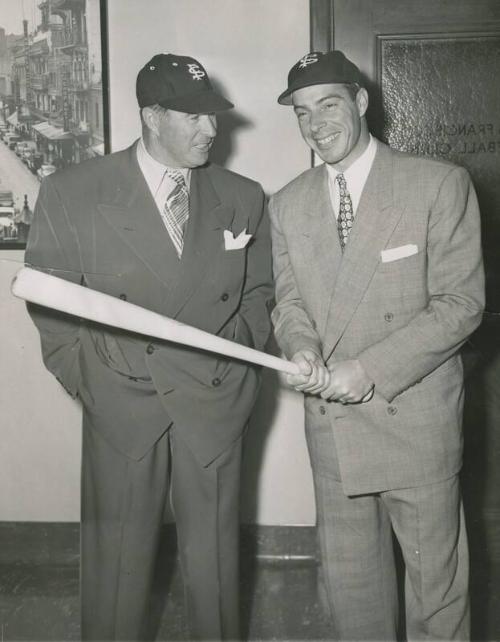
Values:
[(362, 101), (150, 117)]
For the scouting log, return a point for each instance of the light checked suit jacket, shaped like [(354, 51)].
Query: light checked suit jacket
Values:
[(404, 319), (97, 224)]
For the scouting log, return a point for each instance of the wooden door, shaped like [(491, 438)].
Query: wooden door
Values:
[(433, 72)]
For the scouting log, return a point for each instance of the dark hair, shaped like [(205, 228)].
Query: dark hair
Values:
[(353, 89)]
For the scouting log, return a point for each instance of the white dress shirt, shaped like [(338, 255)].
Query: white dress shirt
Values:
[(159, 183), (355, 177)]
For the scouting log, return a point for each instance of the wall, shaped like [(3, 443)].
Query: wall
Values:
[(248, 47), (245, 46), (40, 424)]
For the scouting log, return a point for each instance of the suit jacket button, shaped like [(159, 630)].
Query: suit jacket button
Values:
[(123, 297), (150, 349), (224, 297), (392, 410), (388, 316), (322, 410), (216, 382)]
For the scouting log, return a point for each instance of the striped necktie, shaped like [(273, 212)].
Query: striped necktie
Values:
[(345, 218), (176, 210)]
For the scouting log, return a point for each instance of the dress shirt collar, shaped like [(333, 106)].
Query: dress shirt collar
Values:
[(355, 176), (154, 171), (357, 173)]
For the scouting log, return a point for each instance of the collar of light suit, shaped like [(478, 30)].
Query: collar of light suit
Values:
[(346, 275)]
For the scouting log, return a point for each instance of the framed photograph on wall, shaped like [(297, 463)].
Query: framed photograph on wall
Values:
[(53, 99)]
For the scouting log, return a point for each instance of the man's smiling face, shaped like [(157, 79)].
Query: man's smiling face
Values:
[(330, 120), (184, 140)]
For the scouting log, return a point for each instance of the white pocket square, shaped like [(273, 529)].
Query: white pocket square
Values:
[(236, 243), (395, 253)]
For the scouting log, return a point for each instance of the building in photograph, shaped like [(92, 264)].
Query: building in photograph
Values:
[(55, 78), (51, 92), (9, 44)]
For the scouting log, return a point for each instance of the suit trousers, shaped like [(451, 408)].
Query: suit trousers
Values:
[(123, 502), (356, 543)]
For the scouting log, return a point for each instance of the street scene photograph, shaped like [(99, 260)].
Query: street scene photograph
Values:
[(51, 100)]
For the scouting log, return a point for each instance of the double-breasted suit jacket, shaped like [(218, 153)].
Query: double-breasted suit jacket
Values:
[(403, 313), (97, 224)]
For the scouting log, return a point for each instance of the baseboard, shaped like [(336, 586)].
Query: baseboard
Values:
[(51, 543), (58, 543)]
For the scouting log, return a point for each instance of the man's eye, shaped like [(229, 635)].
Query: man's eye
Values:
[(330, 105), (300, 114)]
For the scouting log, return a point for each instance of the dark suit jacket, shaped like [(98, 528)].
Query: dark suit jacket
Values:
[(402, 298), (97, 224)]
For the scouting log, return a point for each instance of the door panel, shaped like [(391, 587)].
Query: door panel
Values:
[(432, 69)]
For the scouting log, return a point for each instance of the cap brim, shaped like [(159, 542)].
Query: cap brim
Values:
[(205, 102), (286, 97)]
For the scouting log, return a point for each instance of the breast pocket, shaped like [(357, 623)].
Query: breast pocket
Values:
[(228, 274), (392, 263), (404, 279)]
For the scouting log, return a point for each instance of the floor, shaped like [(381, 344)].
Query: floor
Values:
[(281, 599), (41, 603)]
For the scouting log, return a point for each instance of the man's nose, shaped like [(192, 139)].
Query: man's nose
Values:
[(316, 122), (209, 125)]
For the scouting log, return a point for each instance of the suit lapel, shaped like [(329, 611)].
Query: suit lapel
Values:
[(376, 217), (131, 211), (133, 214), (204, 239), (317, 225)]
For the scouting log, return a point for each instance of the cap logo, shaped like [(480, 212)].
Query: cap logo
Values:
[(308, 59), (196, 71)]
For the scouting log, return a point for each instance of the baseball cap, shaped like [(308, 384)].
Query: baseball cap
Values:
[(180, 83), (317, 68)]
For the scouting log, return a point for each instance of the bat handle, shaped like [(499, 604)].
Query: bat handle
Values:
[(288, 367)]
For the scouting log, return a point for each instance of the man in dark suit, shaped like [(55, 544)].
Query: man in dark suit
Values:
[(379, 281), (150, 225)]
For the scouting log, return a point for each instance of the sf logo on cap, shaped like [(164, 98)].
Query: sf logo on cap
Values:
[(308, 59), (196, 71)]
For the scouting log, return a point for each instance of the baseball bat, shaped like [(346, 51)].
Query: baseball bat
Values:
[(53, 292)]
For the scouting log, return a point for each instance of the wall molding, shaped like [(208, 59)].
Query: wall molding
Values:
[(58, 543)]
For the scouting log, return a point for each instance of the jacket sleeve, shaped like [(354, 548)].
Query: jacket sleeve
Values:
[(292, 325), (252, 321), (53, 248), (455, 283)]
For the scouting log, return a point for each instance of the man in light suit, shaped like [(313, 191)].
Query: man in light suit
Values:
[(379, 281), (147, 225)]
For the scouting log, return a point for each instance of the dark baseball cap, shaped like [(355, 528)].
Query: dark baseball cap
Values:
[(317, 68), (180, 83)]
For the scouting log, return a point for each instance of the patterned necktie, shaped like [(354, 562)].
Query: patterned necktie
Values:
[(176, 210), (346, 215)]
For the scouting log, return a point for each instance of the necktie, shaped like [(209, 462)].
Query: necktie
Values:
[(176, 210), (345, 218)]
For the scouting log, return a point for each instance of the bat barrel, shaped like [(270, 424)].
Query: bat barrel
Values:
[(53, 292)]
